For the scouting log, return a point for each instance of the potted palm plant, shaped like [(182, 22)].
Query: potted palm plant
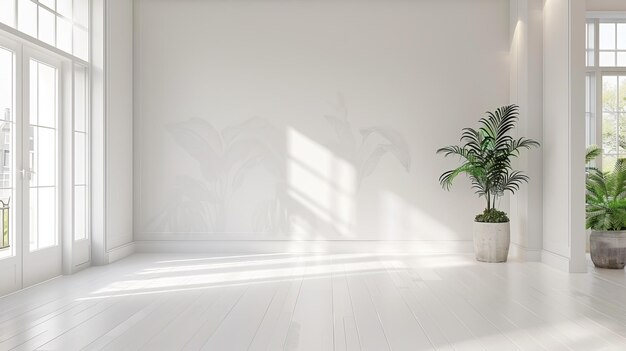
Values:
[(606, 216), (486, 155)]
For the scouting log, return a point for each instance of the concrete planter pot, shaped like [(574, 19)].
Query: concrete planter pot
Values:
[(608, 249), (491, 241)]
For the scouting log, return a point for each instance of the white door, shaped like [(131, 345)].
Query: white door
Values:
[(30, 241), (42, 252)]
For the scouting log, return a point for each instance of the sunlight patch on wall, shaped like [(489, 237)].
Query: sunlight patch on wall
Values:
[(321, 182)]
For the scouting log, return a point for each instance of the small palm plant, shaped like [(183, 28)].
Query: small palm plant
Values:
[(486, 156), (606, 198)]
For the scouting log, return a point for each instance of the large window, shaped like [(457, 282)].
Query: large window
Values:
[(605, 93), (63, 24)]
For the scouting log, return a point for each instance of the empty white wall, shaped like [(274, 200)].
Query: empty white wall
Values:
[(252, 118)]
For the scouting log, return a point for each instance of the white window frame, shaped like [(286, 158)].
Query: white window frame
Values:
[(14, 31), (597, 72)]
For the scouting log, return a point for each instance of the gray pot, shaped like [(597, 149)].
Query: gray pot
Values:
[(491, 241), (608, 249)]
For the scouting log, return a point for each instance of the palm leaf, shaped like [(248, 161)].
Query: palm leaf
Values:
[(486, 155)]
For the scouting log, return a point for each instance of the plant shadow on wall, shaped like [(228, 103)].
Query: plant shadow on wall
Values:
[(307, 187), (225, 159), (376, 142)]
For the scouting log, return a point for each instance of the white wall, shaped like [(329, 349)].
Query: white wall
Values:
[(563, 135), (606, 5), (291, 87), (526, 89)]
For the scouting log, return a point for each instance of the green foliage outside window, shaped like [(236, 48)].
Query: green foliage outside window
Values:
[(5, 224)]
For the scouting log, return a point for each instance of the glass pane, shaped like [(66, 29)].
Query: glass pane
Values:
[(590, 58), (6, 223), (81, 43), (33, 96), (621, 59), (6, 157), (64, 35), (47, 32), (622, 93), (80, 212), (609, 93), (587, 93), (587, 127), (7, 12), (621, 36), (609, 133), (81, 12), (80, 158), (7, 67), (33, 140), (607, 36), (621, 140), (32, 222), (590, 127), (607, 58), (46, 214), (27, 17), (47, 96), (590, 36), (46, 159), (64, 7), (608, 162), (80, 99)]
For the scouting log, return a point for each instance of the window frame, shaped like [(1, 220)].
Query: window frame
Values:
[(34, 39), (597, 73)]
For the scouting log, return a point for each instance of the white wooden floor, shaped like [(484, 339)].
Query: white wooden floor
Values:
[(318, 302)]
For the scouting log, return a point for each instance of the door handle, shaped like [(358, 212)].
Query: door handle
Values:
[(25, 173)]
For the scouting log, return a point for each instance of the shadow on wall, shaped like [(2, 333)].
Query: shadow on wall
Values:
[(284, 183)]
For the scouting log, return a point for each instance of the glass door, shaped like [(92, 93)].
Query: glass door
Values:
[(42, 251), (10, 222), (44, 164)]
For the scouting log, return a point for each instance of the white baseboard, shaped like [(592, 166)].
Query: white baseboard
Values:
[(555, 260), (120, 252), (524, 254), (303, 246)]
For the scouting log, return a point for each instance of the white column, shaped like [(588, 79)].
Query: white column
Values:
[(112, 121), (563, 135)]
